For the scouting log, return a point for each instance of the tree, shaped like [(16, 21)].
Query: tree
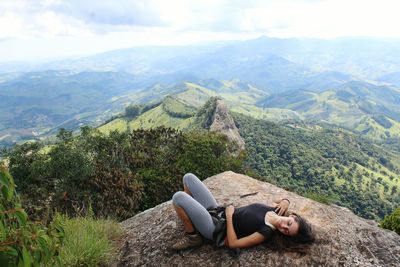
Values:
[(133, 111), (392, 221)]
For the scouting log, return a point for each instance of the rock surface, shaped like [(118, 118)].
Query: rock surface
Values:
[(223, 122), (343, 239)]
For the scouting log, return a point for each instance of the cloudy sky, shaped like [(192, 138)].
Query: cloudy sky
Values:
[(44, 29)]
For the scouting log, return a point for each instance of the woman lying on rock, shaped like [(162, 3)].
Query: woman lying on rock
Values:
[(246, 226)]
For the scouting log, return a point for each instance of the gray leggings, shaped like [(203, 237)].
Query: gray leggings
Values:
[(196, 206)]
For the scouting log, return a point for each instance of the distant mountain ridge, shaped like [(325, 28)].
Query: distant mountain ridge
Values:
[(366, 58), (252, 75), (391, 78), (371, 110), (365, 108), (68, 99)]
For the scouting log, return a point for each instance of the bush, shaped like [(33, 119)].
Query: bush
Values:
[(392, 221), (113, 189), (209, 154), (28, 167), (22, 242), (117, 174)]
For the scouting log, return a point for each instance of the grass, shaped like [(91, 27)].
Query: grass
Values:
[(270, 114), (378, 174), (201, 88), (322, 198), (371, 177), (89, 242), (173, 105), (195, 96), (158, 117), (377, 131), (117, 124)]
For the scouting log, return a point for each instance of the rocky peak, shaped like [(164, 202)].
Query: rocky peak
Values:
[(343, 239), (223, 122)]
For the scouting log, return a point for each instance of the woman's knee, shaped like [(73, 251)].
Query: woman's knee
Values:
[(179, 198), (189, 177)]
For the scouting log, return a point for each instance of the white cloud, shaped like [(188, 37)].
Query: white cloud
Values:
[(49, 24), (11, 25), (122, 12), (94, 24), (284, 18), (336, 18)]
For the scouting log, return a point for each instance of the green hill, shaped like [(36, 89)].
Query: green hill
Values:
[(365, 108), (178, 109), (159, 116)]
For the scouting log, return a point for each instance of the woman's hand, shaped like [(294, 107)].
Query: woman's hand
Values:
[(282, 207), (229, 211)]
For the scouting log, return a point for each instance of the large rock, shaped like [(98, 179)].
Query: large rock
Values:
[(223, 122), (343, 239)]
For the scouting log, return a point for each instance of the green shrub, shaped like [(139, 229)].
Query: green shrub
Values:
[(89, 242), (22, 242), (112, 188), (392, 221), (206, 154), (28, 167), (117, 174)]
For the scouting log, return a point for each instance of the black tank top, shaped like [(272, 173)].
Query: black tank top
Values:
[(250, 219)]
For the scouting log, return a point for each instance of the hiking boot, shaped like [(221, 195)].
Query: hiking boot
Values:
[(188, 241)]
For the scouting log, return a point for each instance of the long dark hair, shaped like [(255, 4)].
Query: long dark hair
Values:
[(297, 243)]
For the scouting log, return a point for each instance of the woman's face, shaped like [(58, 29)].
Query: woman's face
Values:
[(288, 225)]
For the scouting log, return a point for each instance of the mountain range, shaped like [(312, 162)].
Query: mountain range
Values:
[(367, 58), (351, 82)]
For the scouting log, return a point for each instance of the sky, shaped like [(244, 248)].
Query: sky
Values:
[(33, 30)]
